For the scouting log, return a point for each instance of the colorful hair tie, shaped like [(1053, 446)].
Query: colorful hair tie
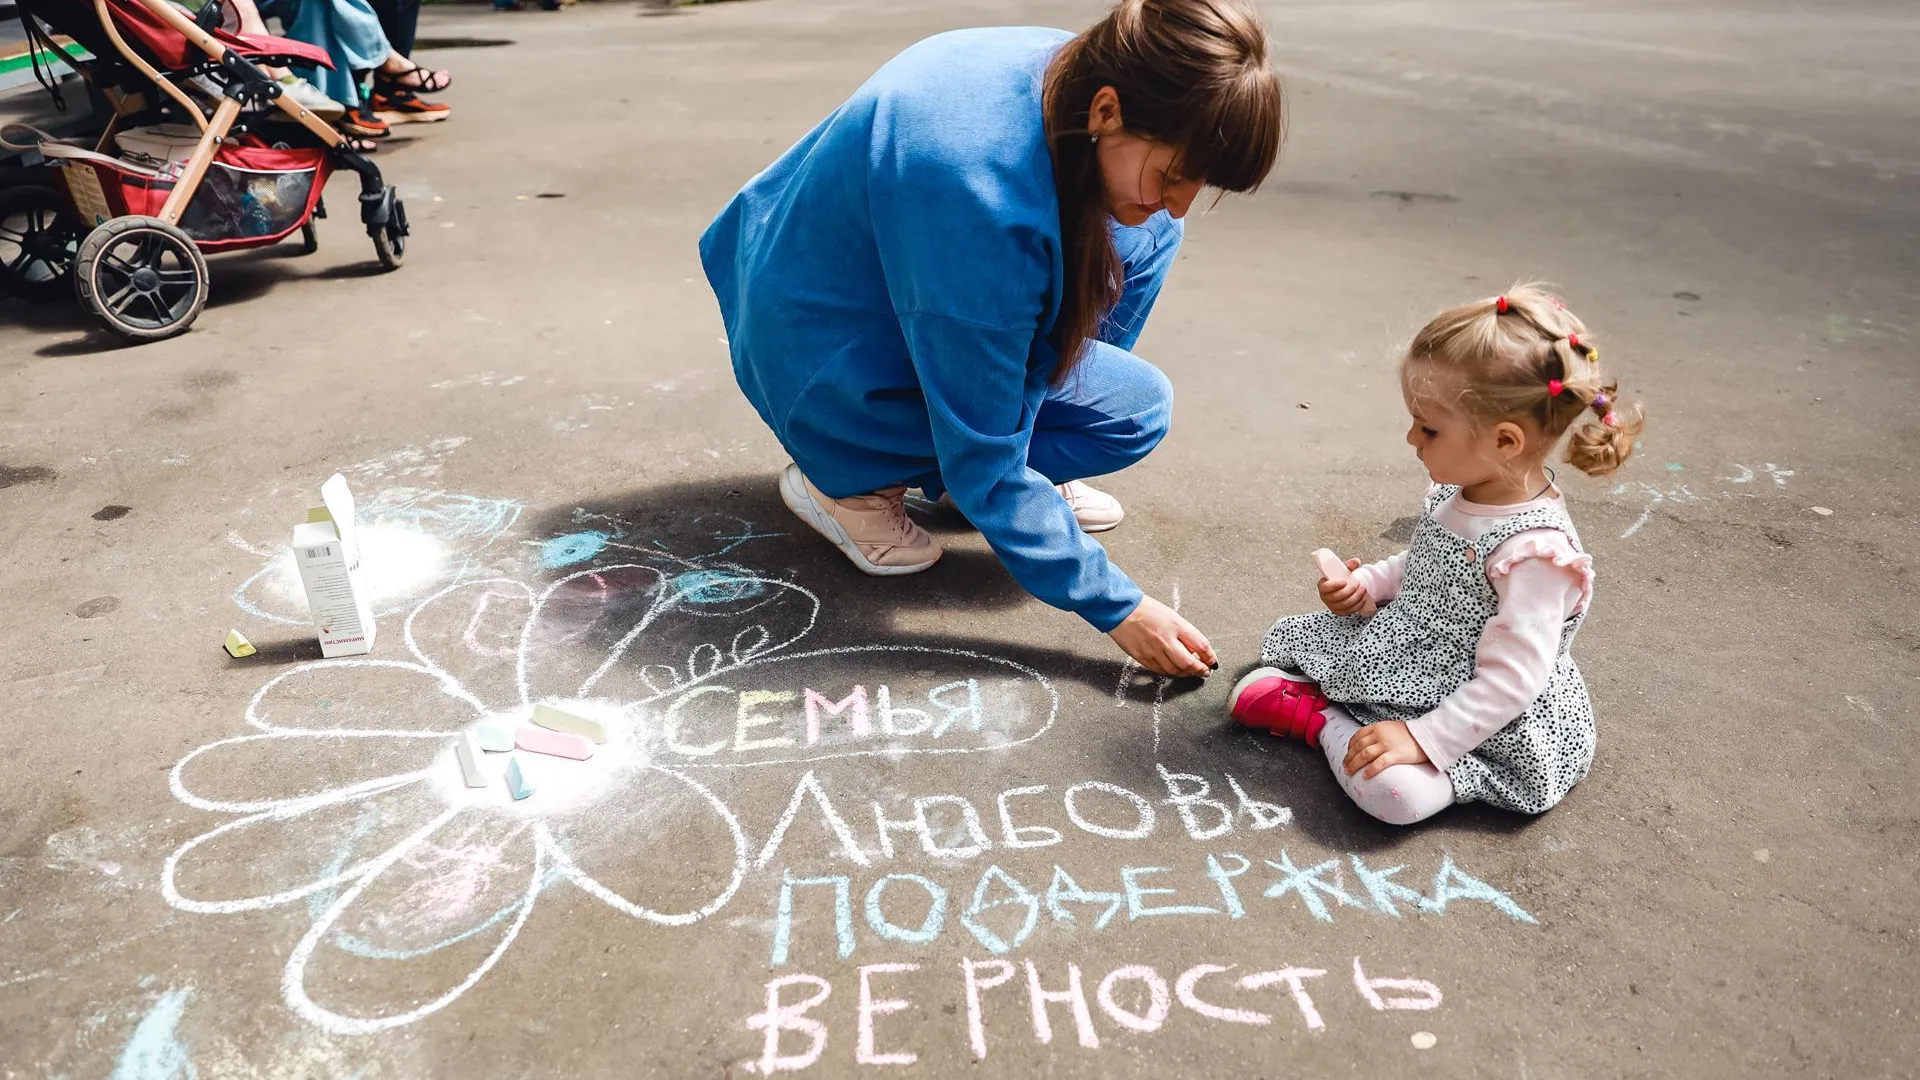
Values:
[(1600, 402), (1555, 387), (1573, 342), (1499, 305), (1610, 420)]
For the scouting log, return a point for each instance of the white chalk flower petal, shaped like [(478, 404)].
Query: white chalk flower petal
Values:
[(471, 632), (422, 923), (288, 851), (662, 818), (364, 695), (635, 634)]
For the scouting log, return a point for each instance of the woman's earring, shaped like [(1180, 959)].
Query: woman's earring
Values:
[(1093, 138)]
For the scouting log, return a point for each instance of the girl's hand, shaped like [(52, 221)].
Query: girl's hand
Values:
[(1164, 643), (1347, 598), (1379, 745)]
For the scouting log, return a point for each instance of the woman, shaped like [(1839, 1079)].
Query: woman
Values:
[(938, 286)]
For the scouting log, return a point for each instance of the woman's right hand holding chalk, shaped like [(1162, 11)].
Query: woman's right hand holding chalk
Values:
[(1161, 641)]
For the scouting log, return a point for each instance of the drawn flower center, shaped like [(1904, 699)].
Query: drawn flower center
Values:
[(555, 782)]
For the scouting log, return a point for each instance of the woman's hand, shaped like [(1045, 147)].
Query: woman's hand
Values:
[(1380, 745), (1348, 597), (1164, 643)]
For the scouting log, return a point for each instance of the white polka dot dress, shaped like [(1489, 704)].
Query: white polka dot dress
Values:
[(1400, 663)]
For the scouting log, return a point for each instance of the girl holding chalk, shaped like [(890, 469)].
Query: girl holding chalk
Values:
[(1443, 674)]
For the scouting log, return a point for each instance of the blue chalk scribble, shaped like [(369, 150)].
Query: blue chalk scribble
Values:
[(572, 549), (155, 1051), (715, 587)]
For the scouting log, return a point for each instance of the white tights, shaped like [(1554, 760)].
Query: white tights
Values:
[(1400, 794)]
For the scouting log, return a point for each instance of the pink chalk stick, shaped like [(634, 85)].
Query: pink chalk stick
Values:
[(1332, 567), (539, 740)]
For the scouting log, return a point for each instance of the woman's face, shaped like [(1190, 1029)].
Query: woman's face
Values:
[(1142, 176)]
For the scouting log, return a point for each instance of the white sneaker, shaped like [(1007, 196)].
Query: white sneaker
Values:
[(1095, 510), (310, 97), (872, 530)]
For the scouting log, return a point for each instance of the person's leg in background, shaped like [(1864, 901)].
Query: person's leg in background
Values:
[(401, 20), (1400, 794)]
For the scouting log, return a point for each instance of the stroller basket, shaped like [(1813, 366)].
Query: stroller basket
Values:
[(250, 194)]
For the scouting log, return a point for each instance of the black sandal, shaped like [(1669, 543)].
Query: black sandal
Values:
[(420, 80)]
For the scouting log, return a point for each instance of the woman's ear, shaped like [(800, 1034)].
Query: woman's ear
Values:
[(1103, 116), (1509, 440)]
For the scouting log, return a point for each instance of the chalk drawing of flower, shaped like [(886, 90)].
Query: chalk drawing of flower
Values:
[(344, 796)]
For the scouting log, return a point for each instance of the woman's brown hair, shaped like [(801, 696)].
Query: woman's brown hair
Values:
[(1192, 74)]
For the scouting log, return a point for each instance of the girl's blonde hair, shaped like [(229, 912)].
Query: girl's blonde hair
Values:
[(1523, 354)]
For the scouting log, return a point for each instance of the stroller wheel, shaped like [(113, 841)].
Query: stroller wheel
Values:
[(390, 239), (141, 277), (309, 238), (37, 244)]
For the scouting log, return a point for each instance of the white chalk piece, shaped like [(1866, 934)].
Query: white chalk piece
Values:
[(1425, 1040), (467, 749), (1332, 567), (237, 645), (1822, 511), (517, 784), (572, 723), (494, 738)]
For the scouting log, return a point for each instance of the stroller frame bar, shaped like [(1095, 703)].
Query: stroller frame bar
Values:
[(242, 73)]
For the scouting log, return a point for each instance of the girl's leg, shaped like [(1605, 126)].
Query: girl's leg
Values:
[(1400, 794)]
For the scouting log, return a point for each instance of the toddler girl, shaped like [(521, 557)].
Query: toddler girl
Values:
[(1443, 674)]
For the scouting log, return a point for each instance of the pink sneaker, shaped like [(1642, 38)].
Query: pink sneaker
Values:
[(872, 530), (1273, 700)]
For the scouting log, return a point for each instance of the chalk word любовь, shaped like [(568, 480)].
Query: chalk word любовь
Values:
[(1138, 998), (950, 828)]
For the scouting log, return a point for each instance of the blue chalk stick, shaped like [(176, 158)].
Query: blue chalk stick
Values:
[(517, 783), (495, 738)]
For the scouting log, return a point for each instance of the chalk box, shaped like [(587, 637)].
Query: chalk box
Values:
[(325, 549)]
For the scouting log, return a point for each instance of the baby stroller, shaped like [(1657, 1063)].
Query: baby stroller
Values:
[(223, 161)]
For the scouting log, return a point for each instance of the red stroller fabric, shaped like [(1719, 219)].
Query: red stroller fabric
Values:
[(252, 196), (174, 53)]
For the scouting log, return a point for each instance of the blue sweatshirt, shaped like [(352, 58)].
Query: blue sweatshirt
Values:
[(888, 287)]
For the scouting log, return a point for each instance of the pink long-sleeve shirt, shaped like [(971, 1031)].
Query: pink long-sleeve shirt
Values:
[(1541, 580)]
